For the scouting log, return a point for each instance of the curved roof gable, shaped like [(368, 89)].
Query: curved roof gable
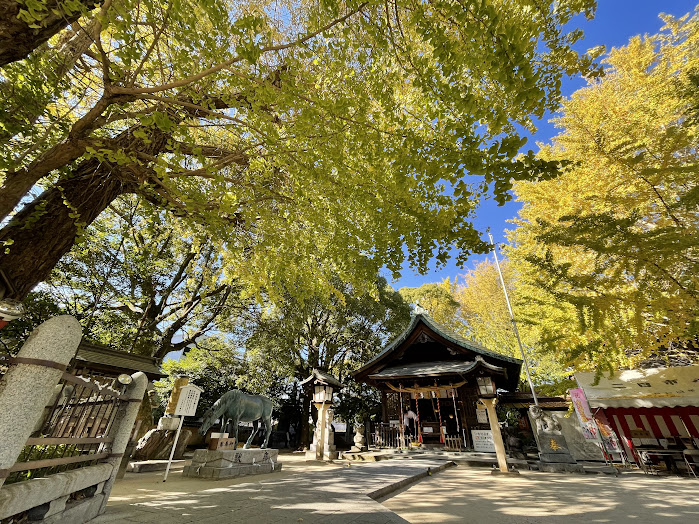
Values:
[(445, 333)]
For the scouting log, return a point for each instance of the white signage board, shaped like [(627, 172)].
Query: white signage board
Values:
[(483, 440), (188, 401), (427, 429), (482, 415)]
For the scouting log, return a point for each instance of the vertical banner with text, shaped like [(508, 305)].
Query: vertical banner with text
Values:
[(582, 409)]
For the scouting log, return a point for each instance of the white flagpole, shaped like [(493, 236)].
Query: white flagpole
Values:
[(514, 324), (174, 445)]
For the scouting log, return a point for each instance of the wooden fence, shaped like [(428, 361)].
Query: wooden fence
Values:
[(74, 431)]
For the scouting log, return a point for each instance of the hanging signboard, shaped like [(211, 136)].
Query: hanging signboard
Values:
[(482, 415), (483, 440), (188, 401)]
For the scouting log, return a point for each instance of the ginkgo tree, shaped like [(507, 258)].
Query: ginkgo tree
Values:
[(609, 250), (485, 318), (307, 138)]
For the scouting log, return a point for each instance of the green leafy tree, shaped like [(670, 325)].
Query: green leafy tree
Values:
[(38, 307), (336, 333), (214, 365), (609, 249), (306, 138), (486, 320), (143, 282)]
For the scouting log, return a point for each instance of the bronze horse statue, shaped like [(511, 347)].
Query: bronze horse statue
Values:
[(235, 406)]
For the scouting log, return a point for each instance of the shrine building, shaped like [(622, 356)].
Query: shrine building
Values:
[(442, 378)]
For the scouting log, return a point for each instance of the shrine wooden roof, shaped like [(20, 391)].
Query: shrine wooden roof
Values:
[(428, 349)]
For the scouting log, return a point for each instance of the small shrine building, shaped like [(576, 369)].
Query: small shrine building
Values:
[(441, 377)]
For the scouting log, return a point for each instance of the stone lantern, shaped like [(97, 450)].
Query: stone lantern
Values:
[(324, 385)]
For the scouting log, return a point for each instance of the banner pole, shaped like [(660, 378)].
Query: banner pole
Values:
[(514, 324)]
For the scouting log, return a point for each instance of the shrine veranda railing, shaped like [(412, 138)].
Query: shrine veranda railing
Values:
[(74, 431), (387, 436)]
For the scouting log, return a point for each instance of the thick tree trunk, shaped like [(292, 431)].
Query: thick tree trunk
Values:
[(44, 230), (18, 40), (18, 183)]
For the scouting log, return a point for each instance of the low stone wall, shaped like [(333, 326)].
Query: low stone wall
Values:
[(59, 495), (220, 464), (71, 497)]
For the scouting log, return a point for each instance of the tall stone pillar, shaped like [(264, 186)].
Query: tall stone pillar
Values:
[(30, 383), (489, 404), (122, 426)]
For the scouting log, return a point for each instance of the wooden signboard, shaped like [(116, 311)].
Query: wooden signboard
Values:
[(222, 443)]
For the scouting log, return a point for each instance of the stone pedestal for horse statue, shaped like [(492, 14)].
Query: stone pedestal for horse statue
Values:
[(553, 448), (223, 464), (323, 447)]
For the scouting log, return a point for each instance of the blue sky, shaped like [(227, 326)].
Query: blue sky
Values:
[(616, 21)]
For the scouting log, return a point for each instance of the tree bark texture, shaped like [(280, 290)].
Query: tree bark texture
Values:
[(18, 40), (44, 230), (18, 183)]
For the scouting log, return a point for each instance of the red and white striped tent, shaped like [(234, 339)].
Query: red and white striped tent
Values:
[(645, 405)]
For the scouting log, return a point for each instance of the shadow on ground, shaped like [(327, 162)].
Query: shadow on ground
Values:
[(473, 495), (304, 493)]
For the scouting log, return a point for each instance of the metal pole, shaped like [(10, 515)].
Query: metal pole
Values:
[(514, 324), (174, 445)]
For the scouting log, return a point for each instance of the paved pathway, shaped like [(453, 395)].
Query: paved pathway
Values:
[(472, 495), (308, 494)]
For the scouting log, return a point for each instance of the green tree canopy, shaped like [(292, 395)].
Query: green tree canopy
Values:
[(336, 333), (142, 281), (486, 319), (308, 139), (438, 300)]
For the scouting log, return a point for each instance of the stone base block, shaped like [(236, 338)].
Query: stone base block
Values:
[(328, 455), (558, 467), (559, 458), (236, 470), (220, 464)]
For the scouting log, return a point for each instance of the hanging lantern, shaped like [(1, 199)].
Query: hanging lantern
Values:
[(323, 393), (486, 386)]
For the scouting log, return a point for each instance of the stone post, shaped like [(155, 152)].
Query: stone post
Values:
[(497, 435), (122, 426), (319, 433), (323, 447), (29, 384), (359, 438)]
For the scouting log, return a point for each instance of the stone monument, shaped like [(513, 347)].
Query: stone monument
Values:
[(233, 407), (359, 441), (554, 455)]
